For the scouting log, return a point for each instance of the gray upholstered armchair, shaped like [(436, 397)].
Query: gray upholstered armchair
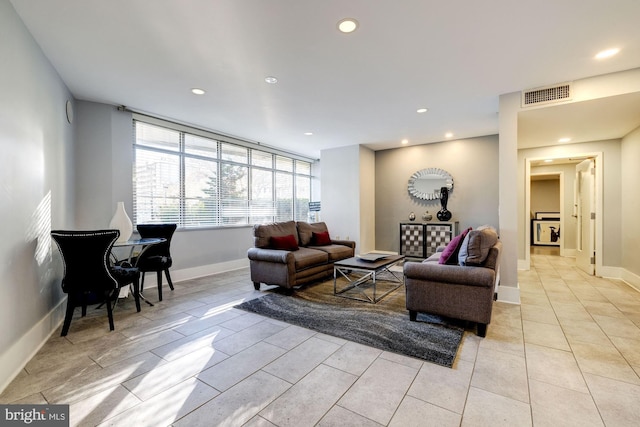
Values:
[(458, 291)]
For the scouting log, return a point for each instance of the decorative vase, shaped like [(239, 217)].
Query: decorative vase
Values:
[(427, 216), (122, 222), (412, 216), (443, 214)]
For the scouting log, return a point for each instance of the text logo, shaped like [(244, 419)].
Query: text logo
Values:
[(34, 415)]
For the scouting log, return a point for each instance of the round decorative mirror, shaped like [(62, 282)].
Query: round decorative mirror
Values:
[(426, 183)]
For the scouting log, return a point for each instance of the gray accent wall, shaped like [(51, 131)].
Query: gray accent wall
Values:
[(37, 190), (473, 164)]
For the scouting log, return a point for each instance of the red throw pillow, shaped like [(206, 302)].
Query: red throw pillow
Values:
[(285, 243), (450, 253), (321, 239)]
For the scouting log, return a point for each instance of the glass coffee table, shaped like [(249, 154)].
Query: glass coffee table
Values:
[(362, 275)]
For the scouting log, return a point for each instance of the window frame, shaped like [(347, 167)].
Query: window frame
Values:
[(248, 208)]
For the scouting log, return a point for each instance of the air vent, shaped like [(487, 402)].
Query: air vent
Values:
[(546, 95)]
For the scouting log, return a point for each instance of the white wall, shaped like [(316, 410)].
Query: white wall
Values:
[(36, 186), (367, 200), (510, 188), (630, 194), (341, 193)]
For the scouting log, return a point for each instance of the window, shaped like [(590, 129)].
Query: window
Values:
[(198, 181)]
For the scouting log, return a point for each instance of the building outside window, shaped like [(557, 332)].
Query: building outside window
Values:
[(197, 181)]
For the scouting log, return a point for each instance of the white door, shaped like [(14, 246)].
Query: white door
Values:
[(586, 216)]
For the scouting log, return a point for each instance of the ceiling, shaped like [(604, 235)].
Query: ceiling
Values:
[(595, 120), (454, 58)]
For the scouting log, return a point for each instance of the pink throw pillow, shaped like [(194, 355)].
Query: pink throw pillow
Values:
[(321, 239), (450, 253), (285, 243)]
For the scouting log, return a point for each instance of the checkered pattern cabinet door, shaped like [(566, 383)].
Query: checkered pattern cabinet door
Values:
[(437, 235), (412, 240)]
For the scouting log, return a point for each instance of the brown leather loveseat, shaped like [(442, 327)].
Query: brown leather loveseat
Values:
[(290, 254)]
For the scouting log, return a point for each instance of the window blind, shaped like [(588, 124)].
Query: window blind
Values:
[(196, 181)]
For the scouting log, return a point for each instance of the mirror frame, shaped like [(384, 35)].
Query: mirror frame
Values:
[(424, 174)]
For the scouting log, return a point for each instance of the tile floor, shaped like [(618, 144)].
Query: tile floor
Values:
[(569, 355)]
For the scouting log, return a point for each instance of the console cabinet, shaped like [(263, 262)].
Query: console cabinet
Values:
[(420, 239)]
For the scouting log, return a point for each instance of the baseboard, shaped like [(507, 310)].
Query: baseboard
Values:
[(14, 358), (610, 272), (524, 265), (206, 270), (509, 294), (629, 277)]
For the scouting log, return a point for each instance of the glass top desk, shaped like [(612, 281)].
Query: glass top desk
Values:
[(143, 245)]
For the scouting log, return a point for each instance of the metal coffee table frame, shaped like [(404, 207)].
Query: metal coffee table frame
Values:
[(371, 270)]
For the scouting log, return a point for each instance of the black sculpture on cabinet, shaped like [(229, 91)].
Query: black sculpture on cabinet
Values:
[(443, 214)]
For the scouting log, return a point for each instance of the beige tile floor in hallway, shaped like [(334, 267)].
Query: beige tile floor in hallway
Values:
[(568, 356)]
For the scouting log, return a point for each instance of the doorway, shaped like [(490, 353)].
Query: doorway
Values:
[(568, 215)]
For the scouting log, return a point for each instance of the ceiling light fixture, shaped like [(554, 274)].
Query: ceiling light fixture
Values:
[(347, 25), (308, 133), (548, 160), (271, 80), (405, 141), (564, 140), (448, 135), (197, 91), (608, 53), (422, 110)]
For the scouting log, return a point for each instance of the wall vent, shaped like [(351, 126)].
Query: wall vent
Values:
[(546, 95)]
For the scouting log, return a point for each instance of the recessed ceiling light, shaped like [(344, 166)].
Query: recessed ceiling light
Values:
[(271, 80), (422, 110), (548, 160), (308, 133), (405, 141), (448, 135), (564, 140), (197, 91), (347, 25), (608, 53)]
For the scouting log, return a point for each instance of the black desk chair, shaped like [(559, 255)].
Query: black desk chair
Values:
[(88, 276), (156, 257)]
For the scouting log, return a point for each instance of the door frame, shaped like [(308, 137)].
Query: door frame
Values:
[(598, 157)]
